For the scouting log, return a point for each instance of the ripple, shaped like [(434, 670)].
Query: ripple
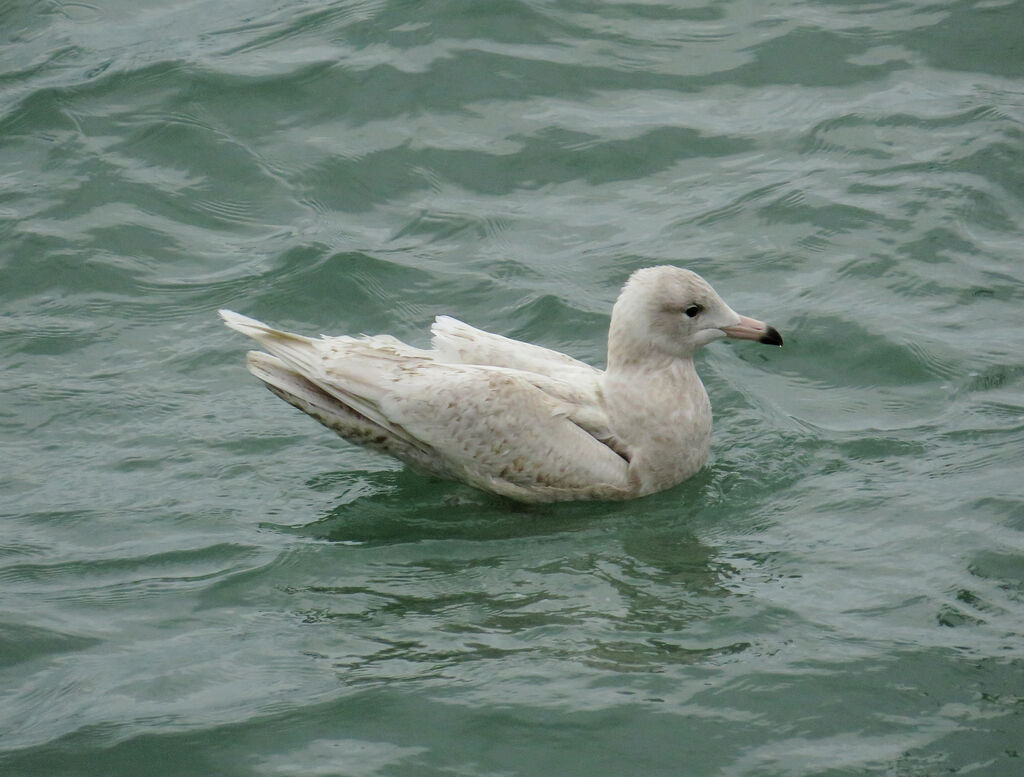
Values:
[(198, 577), (115, 579), (437, 225), (20, 643)]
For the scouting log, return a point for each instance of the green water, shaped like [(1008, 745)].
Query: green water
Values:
[(195, 579)]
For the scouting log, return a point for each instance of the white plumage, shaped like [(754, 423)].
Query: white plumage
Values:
[(517, 419)]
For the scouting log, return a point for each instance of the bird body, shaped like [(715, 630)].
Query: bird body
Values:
[(517, 419)]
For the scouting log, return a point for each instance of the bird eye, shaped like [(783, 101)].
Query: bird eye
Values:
[(693, 310)]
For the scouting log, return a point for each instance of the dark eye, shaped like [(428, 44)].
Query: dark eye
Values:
[(693, 310)]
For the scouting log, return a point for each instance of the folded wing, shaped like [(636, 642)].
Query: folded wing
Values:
[(503, 429), (457, 342)]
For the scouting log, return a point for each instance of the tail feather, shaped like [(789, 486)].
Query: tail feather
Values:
[(329, 378), (309, 397), (348, 422), (277, 375), (257, 330), (297, 351)]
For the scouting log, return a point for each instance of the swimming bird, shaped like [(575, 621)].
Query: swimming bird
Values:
[(517, 419)]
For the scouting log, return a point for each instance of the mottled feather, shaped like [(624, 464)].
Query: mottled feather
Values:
[(518, 419)]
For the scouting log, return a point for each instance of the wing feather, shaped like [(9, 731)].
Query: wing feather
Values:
[(458, 342), (497, 426), (530, 434)]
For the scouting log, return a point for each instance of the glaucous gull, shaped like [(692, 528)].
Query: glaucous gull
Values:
[(517, 419)]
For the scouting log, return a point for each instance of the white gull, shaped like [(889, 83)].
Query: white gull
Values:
[(517, 419)]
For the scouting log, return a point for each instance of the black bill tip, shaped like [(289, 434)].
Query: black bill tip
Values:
[(771, 337)]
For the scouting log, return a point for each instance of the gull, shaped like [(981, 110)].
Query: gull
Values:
[(517, 419)]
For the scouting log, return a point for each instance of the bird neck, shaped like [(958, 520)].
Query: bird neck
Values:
[(628, 349), (660, 412), (658, 375)]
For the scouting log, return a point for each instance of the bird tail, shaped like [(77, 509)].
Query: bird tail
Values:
[(298, 351), (259, 331)]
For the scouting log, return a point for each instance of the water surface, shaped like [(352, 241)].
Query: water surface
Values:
[(196, 579)]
